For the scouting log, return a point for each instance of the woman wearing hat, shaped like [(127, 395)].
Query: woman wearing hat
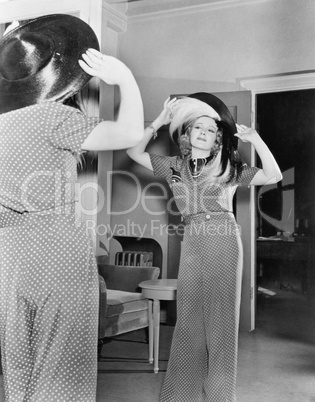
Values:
[(48, 275), (203, 180)]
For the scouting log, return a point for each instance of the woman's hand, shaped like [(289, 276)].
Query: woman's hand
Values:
[(270, 172), (107, 68), (165, 117), (246, 134)]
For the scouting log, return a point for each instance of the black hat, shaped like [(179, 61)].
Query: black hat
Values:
[(227, 120), (39, 60)]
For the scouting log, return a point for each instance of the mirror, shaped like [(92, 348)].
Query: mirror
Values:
[(212, 46)]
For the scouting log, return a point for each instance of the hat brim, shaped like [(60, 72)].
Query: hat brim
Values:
[(62, 77)]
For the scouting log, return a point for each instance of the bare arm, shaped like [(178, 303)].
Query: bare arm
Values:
[(127, 130), (138, 153), (270, 172)]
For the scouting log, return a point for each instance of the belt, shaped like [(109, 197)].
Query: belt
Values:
[(10, 217), (203, 216)]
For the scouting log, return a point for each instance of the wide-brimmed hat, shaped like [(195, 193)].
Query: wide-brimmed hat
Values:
[(39, 61), (226, 119), (203, 104)]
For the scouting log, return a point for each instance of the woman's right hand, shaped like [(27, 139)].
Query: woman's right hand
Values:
[(107, 68), (165, 117)]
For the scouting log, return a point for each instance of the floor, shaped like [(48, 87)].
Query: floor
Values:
[(276, 361)]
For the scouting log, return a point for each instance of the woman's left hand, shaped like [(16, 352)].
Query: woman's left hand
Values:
[(246, 134)]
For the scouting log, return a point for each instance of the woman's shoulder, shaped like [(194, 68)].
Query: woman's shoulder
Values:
[(166, 158), (44, 111), (58, 109), (55, 117), (164, 165), (243, 175)]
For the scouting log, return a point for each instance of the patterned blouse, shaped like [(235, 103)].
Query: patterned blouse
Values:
[(39, 150)]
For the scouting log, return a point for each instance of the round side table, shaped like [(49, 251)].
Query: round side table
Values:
[(154, 291)]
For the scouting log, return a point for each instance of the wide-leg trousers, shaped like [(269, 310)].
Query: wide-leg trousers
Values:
[(48, 310), (203, 359)]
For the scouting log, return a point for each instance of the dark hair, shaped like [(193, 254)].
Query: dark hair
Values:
[(229, 152), (74, 101)]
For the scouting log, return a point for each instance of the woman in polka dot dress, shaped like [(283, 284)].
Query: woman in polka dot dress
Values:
[(202, 364), (48, 275)]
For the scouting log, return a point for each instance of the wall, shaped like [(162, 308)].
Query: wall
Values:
[(216, 47), (140, 202)]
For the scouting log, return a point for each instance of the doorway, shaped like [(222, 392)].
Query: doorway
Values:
[(286, 122), (285, 223), (272, 84)]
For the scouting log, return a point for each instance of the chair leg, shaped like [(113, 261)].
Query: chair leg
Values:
[(147, 335), (151, 335)]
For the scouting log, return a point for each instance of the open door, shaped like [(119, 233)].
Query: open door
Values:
[(239, 104)]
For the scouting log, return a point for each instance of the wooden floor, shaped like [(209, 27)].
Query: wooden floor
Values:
[(276, 361)]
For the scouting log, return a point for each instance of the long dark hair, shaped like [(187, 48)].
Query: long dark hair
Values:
[(229, 152), (76, 102)]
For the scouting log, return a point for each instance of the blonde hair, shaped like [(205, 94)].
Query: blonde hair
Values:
[(185, 113)]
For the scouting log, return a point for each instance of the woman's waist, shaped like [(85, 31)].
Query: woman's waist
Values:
[(208, 216), (11, 217)]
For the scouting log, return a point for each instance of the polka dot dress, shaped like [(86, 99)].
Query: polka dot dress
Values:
[(48, 274), (203, 358)]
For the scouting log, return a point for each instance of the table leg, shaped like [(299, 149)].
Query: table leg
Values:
[(150, 331), (156, 337)]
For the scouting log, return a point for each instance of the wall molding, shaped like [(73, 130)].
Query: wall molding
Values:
[(278, 83), (25, 9), (22, 9), (144, 13), (116, 19)]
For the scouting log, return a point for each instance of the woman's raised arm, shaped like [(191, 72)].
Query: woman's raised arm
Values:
[(270, 172), (137, 153), (127, 130)]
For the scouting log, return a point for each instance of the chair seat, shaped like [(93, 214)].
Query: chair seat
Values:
[(126, 311), (122, 308), (120, 302)]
